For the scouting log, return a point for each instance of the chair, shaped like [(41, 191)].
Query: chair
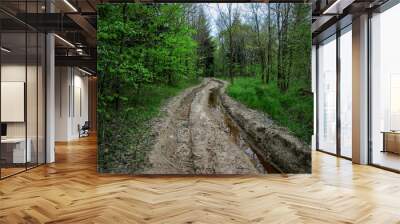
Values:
[(84, 130)]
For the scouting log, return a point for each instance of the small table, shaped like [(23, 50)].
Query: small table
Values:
[(391, 141)]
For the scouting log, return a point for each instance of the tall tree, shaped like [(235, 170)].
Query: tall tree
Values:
[(226, 17), (257, 20), (282, 11), (269, 46), (205, 48)]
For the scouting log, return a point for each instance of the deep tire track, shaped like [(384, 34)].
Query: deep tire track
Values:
[(194, 139)]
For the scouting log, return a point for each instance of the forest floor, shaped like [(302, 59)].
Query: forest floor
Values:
[(197, 137)]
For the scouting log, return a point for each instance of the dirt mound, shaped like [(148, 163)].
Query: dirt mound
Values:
[(275, 144)]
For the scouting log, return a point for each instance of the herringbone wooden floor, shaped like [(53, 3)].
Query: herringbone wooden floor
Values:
[(70, 191)]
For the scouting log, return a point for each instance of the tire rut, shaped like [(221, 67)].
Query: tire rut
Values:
[(194, 138)]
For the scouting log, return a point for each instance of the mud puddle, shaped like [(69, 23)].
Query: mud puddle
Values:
[(238, 137)]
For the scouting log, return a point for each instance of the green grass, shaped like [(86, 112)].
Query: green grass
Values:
[(127, 138), (148, 102), (292, 109)]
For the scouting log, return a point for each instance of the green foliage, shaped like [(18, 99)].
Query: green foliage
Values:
[(139, 44), (292, 109), (149, 52), (146, 53), (206, 48), (258, 44), (125, 137), (271, 61)]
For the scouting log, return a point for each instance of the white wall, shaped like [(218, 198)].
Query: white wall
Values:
[(80, 88), (16, 73), (33, 127), (71, 87), (62, 82), (9, 73)]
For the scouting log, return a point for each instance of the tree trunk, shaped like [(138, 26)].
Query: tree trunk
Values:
[(231, 55), (230, 45), (280, 45), (261, 53), (287, 54), (269, 48)]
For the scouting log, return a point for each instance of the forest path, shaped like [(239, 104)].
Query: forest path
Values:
[(196, 138)]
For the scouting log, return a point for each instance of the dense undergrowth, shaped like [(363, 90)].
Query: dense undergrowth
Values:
[(131, 142), (292, 109)]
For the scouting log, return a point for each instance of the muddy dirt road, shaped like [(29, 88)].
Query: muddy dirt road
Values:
[(196, 137)]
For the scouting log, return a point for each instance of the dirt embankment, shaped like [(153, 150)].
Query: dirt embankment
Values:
[(275, 144), (205, 132)]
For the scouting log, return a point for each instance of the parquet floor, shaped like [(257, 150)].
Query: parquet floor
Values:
[(70, 191)]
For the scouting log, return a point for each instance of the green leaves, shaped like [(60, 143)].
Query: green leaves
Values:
[(143, 44), (141, 48)]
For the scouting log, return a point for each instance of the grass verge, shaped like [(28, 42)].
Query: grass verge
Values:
[(292, 109)]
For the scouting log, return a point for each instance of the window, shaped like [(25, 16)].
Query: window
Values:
[(385, 89), (327, 95), (22, 66), (346, 92)]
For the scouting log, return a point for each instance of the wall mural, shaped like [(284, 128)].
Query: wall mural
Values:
[(211, 88)]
